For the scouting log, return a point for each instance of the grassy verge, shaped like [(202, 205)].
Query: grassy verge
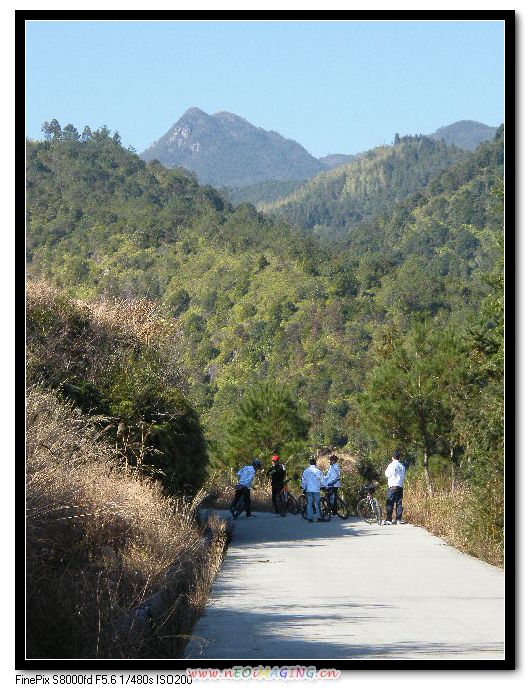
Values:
[(101, 541), (453, 517)]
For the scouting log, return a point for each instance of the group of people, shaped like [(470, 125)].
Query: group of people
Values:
[(314, 479)]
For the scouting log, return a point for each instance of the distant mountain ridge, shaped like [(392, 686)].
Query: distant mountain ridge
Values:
[(466, 134), (226, 150)]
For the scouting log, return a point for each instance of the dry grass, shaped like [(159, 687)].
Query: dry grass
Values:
[(450, 516), (140, 318), (87, 338), (100, 541)]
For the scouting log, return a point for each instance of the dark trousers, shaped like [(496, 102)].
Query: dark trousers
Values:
[(394, 495), (246, 498), (332, 497), (275, 491)]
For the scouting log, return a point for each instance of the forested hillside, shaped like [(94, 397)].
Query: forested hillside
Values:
[(340, 198), (334, 160), (390, 335), (261, 192)]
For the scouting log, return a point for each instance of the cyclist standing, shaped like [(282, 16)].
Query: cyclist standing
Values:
[(311, 482), (395, 473), (277, 476), (332, 481), (245, 476)]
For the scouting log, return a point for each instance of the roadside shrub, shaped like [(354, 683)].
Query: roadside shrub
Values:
[(119, 361), (100, 541)]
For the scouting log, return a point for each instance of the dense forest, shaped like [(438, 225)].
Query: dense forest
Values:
[(261, 192), (368, 186), (366, 312)]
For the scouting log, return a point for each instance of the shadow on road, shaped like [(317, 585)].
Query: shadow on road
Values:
[(268, 528), (276, 635)]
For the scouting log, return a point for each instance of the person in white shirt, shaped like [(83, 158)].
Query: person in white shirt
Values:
[(312, 480), (245, 477), (395, 473), (332, 482)]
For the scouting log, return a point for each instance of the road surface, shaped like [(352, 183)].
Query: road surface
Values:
[(289, 589)]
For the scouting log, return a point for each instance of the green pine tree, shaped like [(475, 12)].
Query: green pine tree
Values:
[(267, 420)]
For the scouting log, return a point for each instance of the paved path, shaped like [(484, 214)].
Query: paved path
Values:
[(347, 590)]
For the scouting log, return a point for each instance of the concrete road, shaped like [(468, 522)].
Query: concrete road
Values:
[(289, 589)]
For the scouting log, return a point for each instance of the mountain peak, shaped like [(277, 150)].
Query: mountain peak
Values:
[(224, 149), (193, 111)]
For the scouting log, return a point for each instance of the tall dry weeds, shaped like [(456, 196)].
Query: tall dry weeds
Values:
[(451, 516), (100, 541), (81, 336)]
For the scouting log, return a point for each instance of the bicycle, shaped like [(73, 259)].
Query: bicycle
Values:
[(338, 506), (325, 509), (286, 502), (368, 508), (239, 506)]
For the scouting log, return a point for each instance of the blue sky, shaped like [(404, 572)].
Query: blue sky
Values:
[(334, 86)]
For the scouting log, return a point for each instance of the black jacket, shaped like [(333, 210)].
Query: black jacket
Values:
[(277, 474)]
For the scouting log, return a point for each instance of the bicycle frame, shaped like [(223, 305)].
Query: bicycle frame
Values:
[(374, 505), (329, 492), (285, 488)]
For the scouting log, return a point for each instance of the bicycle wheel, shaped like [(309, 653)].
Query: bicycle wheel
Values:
[(342, 509), (302, 506), (377, 511), (325, 510), (292, 505), (281, 503), (238, 509), (366, 511)]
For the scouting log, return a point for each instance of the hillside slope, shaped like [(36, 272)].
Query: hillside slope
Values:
[(367, 187), (117, 361)]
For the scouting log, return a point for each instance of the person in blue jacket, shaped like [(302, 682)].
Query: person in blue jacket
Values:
[(245, 477)]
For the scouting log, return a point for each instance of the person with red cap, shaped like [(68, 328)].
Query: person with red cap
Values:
[(276, 472)]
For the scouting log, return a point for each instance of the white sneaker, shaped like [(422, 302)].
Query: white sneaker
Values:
[(387, 522), (402, 522)]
